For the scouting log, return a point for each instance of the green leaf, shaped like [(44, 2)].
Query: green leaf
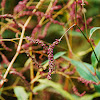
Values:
[(55, 28), (20, 93), (73, 33), (39, 87), (93, 30), (82, 69), (90, 97), (93, 58), (97, 1), (97, 88), (57, 87), (8, 34), (57, 55)]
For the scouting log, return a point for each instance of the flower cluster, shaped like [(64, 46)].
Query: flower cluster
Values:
[(28, 13), (45, 31), (56, 22), (49, 52), (34, 60), (77, 93), (54, 7), (36, 29), (88, 21), (49, 14), (30, 7), (51, 58), (37, 41), (78, 15), (87, 82), (21, 5)]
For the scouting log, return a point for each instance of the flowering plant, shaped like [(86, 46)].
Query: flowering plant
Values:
[(41, 46)]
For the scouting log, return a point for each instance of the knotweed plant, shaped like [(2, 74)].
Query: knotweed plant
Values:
[(33, 38)]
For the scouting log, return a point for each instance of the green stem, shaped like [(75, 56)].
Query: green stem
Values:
[(82, 32), (89, 43)]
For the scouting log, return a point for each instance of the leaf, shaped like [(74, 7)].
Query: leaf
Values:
[(73, 33), (90, 97), (97, 88), (93, 30), (97, 1), (82, 69), (57, 87), (39, 87), (8, 34), (20, 93), (93, 58), (55, 28)]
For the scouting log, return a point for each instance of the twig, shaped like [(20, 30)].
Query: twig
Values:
[(90, 45), (19, 45)]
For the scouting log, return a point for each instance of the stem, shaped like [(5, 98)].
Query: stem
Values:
[(8, 26), (60, 11), (76, 12), (69, 47), (90, 44), (67, 31), (47, 11), (31, 73), (37, 77), (82, 32), (84, 16), (63, 74), (19, 45), (11, 39)]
